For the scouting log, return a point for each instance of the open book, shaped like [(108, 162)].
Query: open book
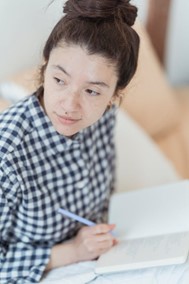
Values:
[(153, 227)]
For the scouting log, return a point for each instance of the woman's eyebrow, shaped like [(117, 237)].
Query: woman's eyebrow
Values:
[(59, 67), (99, 83)]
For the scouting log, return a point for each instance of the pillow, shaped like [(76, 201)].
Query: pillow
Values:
[(140, 163), (12, 92)]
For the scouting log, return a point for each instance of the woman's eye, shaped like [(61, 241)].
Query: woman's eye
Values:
[(59, 81), (92, 93)]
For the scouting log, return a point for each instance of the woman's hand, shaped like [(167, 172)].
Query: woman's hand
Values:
[(91, 242)]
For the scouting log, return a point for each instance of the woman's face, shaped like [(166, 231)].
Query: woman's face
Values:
[(77, 88)]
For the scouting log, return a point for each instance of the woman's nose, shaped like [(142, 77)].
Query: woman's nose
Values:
[(71, 101)]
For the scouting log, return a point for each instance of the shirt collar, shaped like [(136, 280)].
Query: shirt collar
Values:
[(50, 137)]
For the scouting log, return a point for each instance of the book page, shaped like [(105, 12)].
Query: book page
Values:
[(145, 252), (151, 211)]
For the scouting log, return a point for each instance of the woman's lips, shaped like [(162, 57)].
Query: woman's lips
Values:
[(66, 119)]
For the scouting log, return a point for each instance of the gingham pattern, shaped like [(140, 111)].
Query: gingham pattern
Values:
[(41, 171)]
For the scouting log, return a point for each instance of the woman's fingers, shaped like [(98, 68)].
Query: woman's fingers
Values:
[(98, 229), (103, 228), (91, 242)]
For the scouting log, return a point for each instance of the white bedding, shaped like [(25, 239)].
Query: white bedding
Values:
[(140, 162), (83, 273)]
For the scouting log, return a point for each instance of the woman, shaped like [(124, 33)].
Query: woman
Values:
[(57, 146)]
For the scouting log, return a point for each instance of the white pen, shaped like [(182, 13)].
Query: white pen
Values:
[(79, 218), (76, 217)]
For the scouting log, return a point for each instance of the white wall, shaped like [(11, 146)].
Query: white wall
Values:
[(24, 27), (177, 51), (142, 6), (25, 24), (177, 44)]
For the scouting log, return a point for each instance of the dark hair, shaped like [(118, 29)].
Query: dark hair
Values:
[(103, 27)]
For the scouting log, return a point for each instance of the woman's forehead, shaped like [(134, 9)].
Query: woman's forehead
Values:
[(72, 59)]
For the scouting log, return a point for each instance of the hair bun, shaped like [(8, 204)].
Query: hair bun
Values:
[(121, 9), (126, 12)]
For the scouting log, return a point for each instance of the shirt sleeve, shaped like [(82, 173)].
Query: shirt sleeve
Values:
[(19, 262)]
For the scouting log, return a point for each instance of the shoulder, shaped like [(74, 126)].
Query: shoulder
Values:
[(14, 125)]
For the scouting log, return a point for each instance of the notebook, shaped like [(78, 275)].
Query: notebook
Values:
[(152, 227)]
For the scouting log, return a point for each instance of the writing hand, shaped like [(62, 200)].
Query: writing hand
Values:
[(91, 242)]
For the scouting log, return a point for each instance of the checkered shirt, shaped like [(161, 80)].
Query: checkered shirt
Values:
[(41, 171)]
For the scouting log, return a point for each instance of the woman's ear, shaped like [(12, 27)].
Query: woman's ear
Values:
[(117, 98)]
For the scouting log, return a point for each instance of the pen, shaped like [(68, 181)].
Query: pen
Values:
[(76, 217), (79, 218)]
